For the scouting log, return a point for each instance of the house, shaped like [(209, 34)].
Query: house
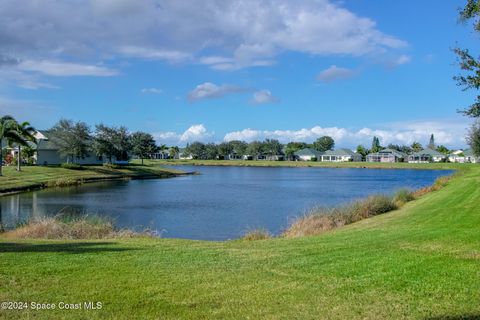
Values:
[(162, 154), (457, 156), (426, 155), (307, 154), (340, 155), (386, 155), (182, 155), (47, 153)]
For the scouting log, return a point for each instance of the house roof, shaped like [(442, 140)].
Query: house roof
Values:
[(308, 152), (468, 153), (341, 152), (388, 151), (428, 152)]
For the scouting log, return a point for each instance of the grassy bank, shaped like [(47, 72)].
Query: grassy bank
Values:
[(39, 176), (419, 262), (264, 163)]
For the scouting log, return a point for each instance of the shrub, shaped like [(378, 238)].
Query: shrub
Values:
[(320, 219), (72, 166), (69, 227), (113, 166), (64, 182), (403, 196), (257, 234)]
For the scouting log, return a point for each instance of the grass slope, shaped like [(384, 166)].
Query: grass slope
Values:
[(420, 262), (40, 176)]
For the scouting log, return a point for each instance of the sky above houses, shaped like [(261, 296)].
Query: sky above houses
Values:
[(238, 69)]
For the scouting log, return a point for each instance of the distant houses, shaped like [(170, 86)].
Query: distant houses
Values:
[(463, 156), (307, 154)]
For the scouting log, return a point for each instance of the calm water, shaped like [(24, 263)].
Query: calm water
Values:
[(221, 203)]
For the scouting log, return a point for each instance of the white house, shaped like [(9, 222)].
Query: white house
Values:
[(307, 154), (386, 155), (340, 155)]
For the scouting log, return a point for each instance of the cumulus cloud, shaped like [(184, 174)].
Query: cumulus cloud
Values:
[(208, 90), (197, 132), (263, 97), (151, 90), (334, 73), (449, 133), (225, 35)]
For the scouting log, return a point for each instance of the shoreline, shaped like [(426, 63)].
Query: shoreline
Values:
[(308, 164), (107, 175)]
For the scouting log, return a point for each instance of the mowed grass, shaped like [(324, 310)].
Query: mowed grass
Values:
[(38, 176), (420, 262), (266, 163)]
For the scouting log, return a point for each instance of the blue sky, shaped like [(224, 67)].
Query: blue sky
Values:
[(235, 69)]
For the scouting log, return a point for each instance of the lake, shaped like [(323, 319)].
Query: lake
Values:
[(221, 203)]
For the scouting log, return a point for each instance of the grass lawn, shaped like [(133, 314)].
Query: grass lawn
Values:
[(39, 176), (420, 262)]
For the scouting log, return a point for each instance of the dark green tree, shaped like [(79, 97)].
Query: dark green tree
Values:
[(469, 64), (324, 143), (73, 139), (143, 144), (442, 149), (174, 151), (255, 149), (211, 151), (196, 150), (239, 148), (272, 147), (431, 143), (375, 145), (225, 149), (112, 142), (473, 138)]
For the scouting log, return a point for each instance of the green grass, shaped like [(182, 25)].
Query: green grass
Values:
[(419, 262), (40, 176), (265, 163)]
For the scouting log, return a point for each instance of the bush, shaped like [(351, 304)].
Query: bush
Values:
[(320, 219), (257, 234), (72, 166), (113, 166), (403, 196), (69, 227)]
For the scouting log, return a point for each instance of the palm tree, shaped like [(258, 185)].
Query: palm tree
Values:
[(27, 132), (8, 131)]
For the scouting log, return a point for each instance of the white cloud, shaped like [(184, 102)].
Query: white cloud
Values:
[(243, 33), (151, 90), (197, 132), (447, 133), (263, 97), (403, 59), (208, 90), (334, 73), (65, 69)]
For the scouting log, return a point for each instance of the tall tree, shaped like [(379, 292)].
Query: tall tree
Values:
[(255, 149), (431, 143), (27, 132), (211, 151), (73, 139), (196, 150), (225, 149), (293, 147), (239, 147), (324, 143), (143, 144), (375, 145), (112, 142), (470, 78), (362, 150), (272, 147), (473, 138), (10, 134)]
